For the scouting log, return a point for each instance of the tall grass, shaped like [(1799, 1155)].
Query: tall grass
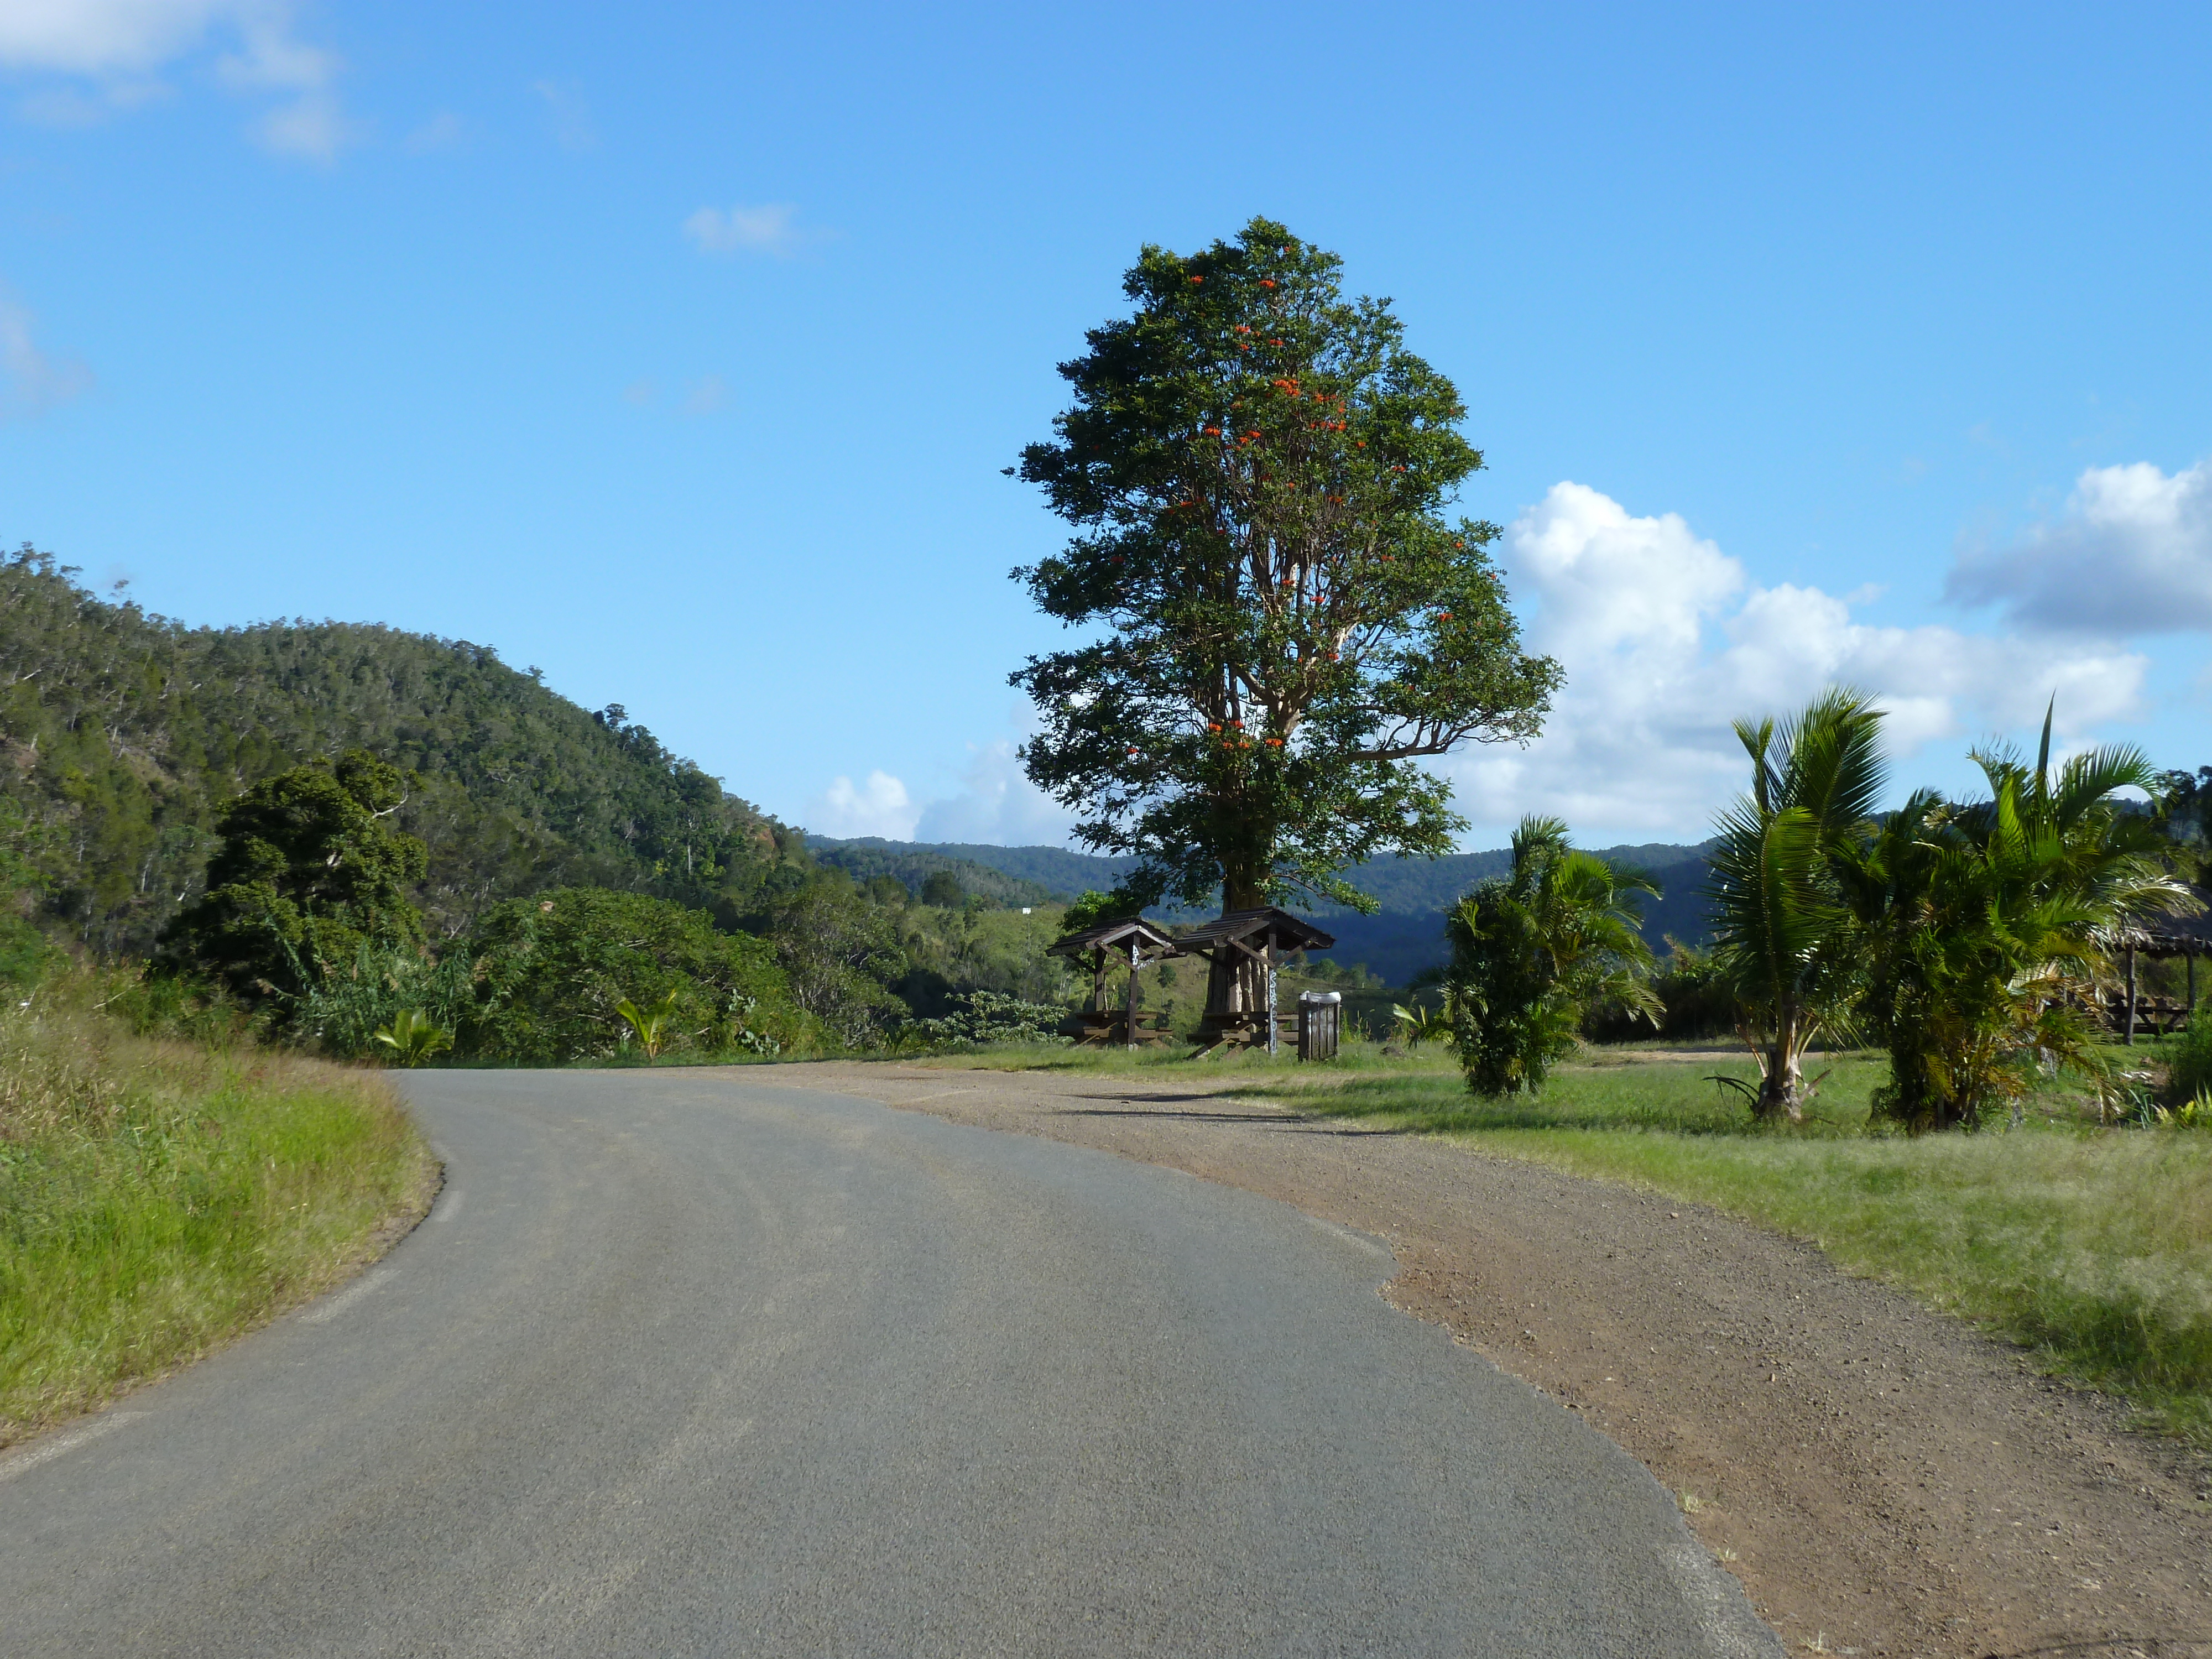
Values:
[(159, 1197), (2093, 1246)]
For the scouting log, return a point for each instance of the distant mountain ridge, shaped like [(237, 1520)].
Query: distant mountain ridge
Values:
[(1405, 936)]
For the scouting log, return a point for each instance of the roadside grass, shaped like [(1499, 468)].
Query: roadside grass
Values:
[(2093, 1246), (158, 1198)]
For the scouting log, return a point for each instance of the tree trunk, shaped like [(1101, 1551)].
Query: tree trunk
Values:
[(1782, 1089), (2127, 1030), (1240, 892)]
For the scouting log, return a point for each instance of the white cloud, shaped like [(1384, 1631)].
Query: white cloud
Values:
[(34, 381), (768, 229), (707, 394), (879, 807), (2130, 553), (996, 805), (312, 127), (116, 45), (107, 37), (1665, 640)]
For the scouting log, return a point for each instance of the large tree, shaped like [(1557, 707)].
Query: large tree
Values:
[(1287, 625), (309, 871)]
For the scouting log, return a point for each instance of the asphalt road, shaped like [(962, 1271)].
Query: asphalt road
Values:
[(682, 1364)]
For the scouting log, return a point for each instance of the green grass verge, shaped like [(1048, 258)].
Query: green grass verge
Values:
[(157, 1199), (2093, 1246)]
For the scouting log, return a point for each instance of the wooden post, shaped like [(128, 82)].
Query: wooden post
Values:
[(1130, 1033), (2128, 1031), (1271, 995)]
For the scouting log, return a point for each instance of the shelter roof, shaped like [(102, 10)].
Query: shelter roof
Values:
[(1247, 927), (2174, 936), (1113, 936)]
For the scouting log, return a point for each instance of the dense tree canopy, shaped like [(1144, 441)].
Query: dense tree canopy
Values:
[(307, 871), (1258, 473), (555, 969)]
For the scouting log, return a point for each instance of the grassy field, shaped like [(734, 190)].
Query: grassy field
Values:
[(2092, 1245), (157, 1199)]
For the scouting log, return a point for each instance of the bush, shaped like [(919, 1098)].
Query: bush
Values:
[(552, 971), (988, 1017), (345, 1007), (2189, 1072), (1532, 950), (839, 954), (1693, 1003)]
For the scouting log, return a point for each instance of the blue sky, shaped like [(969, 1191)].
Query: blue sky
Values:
[(677, 350)]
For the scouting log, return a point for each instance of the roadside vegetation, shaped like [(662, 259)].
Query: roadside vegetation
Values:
[(161, 1193)]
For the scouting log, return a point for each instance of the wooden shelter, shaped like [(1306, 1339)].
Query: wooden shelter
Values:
[(1111, 946), (2190, 937), (1244, 950)]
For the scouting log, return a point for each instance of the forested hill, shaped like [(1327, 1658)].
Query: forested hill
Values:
[(1402, 939), (1046, 873), (870, 857), (126, 734)]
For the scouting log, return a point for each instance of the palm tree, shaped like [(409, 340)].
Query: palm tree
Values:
[(1533, 949), (1781, 934), (1988, 926)]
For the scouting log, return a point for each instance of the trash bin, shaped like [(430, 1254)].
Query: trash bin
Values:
[(1320, 1015)]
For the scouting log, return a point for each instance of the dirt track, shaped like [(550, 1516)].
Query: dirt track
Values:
[(1883, 1479)]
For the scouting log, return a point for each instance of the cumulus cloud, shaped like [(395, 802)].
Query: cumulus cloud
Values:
[(879, 806), (2130, 553), (31, 380), (770, 229), (996, 805), (116, 45), (106, 37), (1665, 639)]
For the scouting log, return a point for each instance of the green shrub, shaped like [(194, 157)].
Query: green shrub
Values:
[(1693, 1003), (344, 1008), (2189, 1070), (552, 972), (987, 1017)]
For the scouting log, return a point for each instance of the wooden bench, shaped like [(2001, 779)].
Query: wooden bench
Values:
[(1108, 1028)]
